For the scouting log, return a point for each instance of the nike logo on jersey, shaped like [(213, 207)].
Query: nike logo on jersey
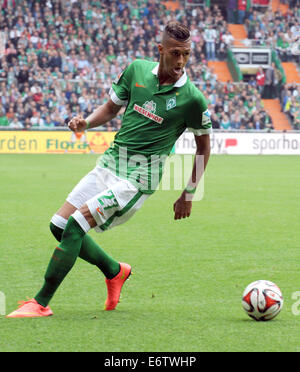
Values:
[(139, 85)]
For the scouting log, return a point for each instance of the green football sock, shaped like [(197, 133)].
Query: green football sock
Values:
[(91, 252), (56, 231), (62, 261), (95, 255)]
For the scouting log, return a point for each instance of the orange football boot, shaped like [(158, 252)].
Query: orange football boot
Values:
[(114, 286), (30, 309)]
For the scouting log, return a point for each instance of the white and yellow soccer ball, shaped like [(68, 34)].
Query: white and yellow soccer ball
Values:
[(262, 300)]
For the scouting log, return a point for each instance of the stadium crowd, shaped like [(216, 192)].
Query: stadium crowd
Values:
[(59, 58), (279, 31), (290, 103)]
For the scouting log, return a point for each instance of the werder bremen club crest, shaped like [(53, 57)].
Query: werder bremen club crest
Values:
[(171, 103)]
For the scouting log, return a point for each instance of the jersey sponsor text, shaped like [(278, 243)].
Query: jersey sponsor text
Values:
[(148, 114)]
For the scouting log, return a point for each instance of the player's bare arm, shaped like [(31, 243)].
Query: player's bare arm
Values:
[(183, 206), (100, 116)]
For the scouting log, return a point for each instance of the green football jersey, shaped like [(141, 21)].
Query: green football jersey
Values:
[(155, 117)]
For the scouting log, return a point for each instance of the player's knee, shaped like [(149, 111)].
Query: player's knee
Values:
[(56, 231), (73, 231)]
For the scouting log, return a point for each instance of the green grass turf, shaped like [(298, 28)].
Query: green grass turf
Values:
[(189, 275)]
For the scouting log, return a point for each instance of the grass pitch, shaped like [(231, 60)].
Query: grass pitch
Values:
[(185, 295)]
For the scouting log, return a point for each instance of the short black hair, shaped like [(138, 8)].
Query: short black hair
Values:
[(177, 31)]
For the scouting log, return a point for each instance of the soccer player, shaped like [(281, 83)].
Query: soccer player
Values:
[(161, 103)]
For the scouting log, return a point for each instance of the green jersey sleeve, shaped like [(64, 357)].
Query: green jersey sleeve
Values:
[(198, 116), (120, 90)]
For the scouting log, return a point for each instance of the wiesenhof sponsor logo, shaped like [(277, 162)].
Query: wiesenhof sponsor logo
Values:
[(148, 114)]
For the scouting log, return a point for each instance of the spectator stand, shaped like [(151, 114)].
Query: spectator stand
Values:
[(260, 5), (59, 58), (194, 3)]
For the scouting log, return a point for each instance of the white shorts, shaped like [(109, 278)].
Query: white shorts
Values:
[(110, 199)]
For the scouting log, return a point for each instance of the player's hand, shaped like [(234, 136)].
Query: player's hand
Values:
[(77, 124), (182, 207)]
